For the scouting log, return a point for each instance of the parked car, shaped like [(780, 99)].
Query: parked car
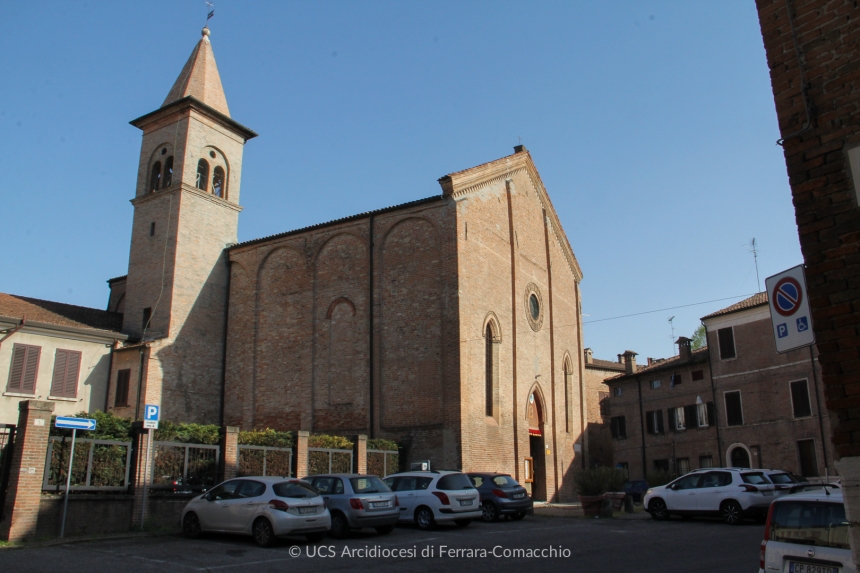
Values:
[(428, 498), (501, 495), (785, 482), (731, 493), (636, 489), (357, 501), (263, 507), (807, 532)]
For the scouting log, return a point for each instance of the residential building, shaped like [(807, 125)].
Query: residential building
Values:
[(597, 401), (735, 402)]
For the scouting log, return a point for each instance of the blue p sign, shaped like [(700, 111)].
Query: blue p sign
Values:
[(782, 330), (150, 413)]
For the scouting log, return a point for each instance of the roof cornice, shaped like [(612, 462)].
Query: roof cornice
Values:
[(190, 102)]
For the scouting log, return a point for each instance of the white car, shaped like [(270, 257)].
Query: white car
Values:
[(427, 498), (730, 493), (807, 532), (263, 507)]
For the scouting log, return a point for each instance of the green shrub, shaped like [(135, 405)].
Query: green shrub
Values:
[(617, 479), (658, 477), (187, 433), (266, 437), (380, 444), (592, 481), (331, 442), (108, 427)]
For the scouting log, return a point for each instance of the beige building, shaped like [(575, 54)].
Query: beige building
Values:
[(55, 352)]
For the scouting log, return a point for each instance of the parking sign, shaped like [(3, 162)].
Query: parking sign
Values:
[(789, 309), (150, 416)]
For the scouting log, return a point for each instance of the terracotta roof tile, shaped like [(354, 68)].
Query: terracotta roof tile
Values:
[(605, 365), (753, 301), (59, 313), (699, 355)]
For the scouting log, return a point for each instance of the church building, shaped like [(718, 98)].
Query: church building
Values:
[(451, 324)]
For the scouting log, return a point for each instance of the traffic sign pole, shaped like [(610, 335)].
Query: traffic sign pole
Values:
[(68, 484)]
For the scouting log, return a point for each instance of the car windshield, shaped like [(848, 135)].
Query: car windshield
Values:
[(810, 523), (756, 478), (294, 489), (369, 484), (504, 481), (782, 478), (454, 481)]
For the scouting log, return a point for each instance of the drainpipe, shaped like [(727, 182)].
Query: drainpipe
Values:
[(224, 349), (110, 370), (714, 397), (642, 427), (370, 325), (139, 384), (818, 404)]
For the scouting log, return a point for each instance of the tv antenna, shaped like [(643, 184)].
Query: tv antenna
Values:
[(672, 326), (753, 248)]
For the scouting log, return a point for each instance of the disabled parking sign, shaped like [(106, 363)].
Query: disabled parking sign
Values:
[(789, 310)]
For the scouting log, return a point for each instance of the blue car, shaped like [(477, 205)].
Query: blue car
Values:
[(636, 489)]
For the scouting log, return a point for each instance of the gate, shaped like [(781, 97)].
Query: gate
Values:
[(329, 461), (184, 467), (7, 444), (382, 462), (99, 465), (265, 461)]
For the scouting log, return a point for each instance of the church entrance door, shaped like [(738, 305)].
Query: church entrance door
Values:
[(537, 446)]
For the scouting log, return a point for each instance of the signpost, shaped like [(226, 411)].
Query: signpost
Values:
[(151, 413), (789, 310), (73, 424)]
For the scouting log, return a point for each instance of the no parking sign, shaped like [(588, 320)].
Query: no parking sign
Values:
[(789, 310)]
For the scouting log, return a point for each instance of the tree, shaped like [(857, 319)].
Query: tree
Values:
[(700, 337)]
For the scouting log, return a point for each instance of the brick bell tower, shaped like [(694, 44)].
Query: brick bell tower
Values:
[(186, 210)]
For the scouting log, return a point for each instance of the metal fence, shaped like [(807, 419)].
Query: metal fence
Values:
[(184, 467), (382, 462), (265, 461), (7, 442), (328, 461), (99, 465)]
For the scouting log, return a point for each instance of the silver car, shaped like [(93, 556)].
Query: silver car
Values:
[(263, 507), (357, 501)]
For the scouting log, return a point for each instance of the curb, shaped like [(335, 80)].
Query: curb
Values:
[(72, 540)]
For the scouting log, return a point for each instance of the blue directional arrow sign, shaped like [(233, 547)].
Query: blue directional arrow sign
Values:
[(75, 423)]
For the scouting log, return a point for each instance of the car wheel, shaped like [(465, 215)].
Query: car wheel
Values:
[(315, 537), (518, 516), (263, 534), (490, 512), (657, 509), (732, 513), (424, 518), (191, 526), (384, 529), (339, 526), (462, 522)]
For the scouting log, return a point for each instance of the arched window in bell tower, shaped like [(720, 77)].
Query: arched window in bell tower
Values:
[(167, 180), (202, 174), (218, 183), (155, 179)]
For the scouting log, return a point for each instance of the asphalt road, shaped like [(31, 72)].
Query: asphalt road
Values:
[(577, 544)]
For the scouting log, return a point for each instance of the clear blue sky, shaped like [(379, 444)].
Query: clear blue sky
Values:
[(652, 125)]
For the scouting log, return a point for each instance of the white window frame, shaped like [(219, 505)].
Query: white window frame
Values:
[(741, 399), (702, 414), (734, 344), (808, 397), (680, 421)]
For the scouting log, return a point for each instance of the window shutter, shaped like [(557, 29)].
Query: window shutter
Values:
[(800, 399), (673, 420), (659, 415), (649, 422), (622, 427), (712, 414), (691, 419), (121, 392), (31, 369), (70, 386), (16, 373), (60, 361)]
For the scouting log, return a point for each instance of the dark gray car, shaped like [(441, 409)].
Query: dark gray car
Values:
[(501, 495), (357, 501)]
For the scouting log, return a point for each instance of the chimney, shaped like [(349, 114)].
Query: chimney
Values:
[(684, 349), (589, 356), (621, 359), (519, 148), (630, 362)]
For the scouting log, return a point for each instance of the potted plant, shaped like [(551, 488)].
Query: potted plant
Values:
[(616, 479), (591, 489)]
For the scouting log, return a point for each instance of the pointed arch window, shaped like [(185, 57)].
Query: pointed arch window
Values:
[(167, 179), (202, 174), (218, 182), (491, 371), (155, 179)]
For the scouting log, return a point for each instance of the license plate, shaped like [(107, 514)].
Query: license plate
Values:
[(519, 495), (466, 502), (307, 510), (379, 504), (767, 492), (794, 567)]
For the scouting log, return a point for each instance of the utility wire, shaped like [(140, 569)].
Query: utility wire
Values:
[(668, 308)]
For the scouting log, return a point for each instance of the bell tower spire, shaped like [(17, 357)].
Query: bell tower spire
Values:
[(186, 211)]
